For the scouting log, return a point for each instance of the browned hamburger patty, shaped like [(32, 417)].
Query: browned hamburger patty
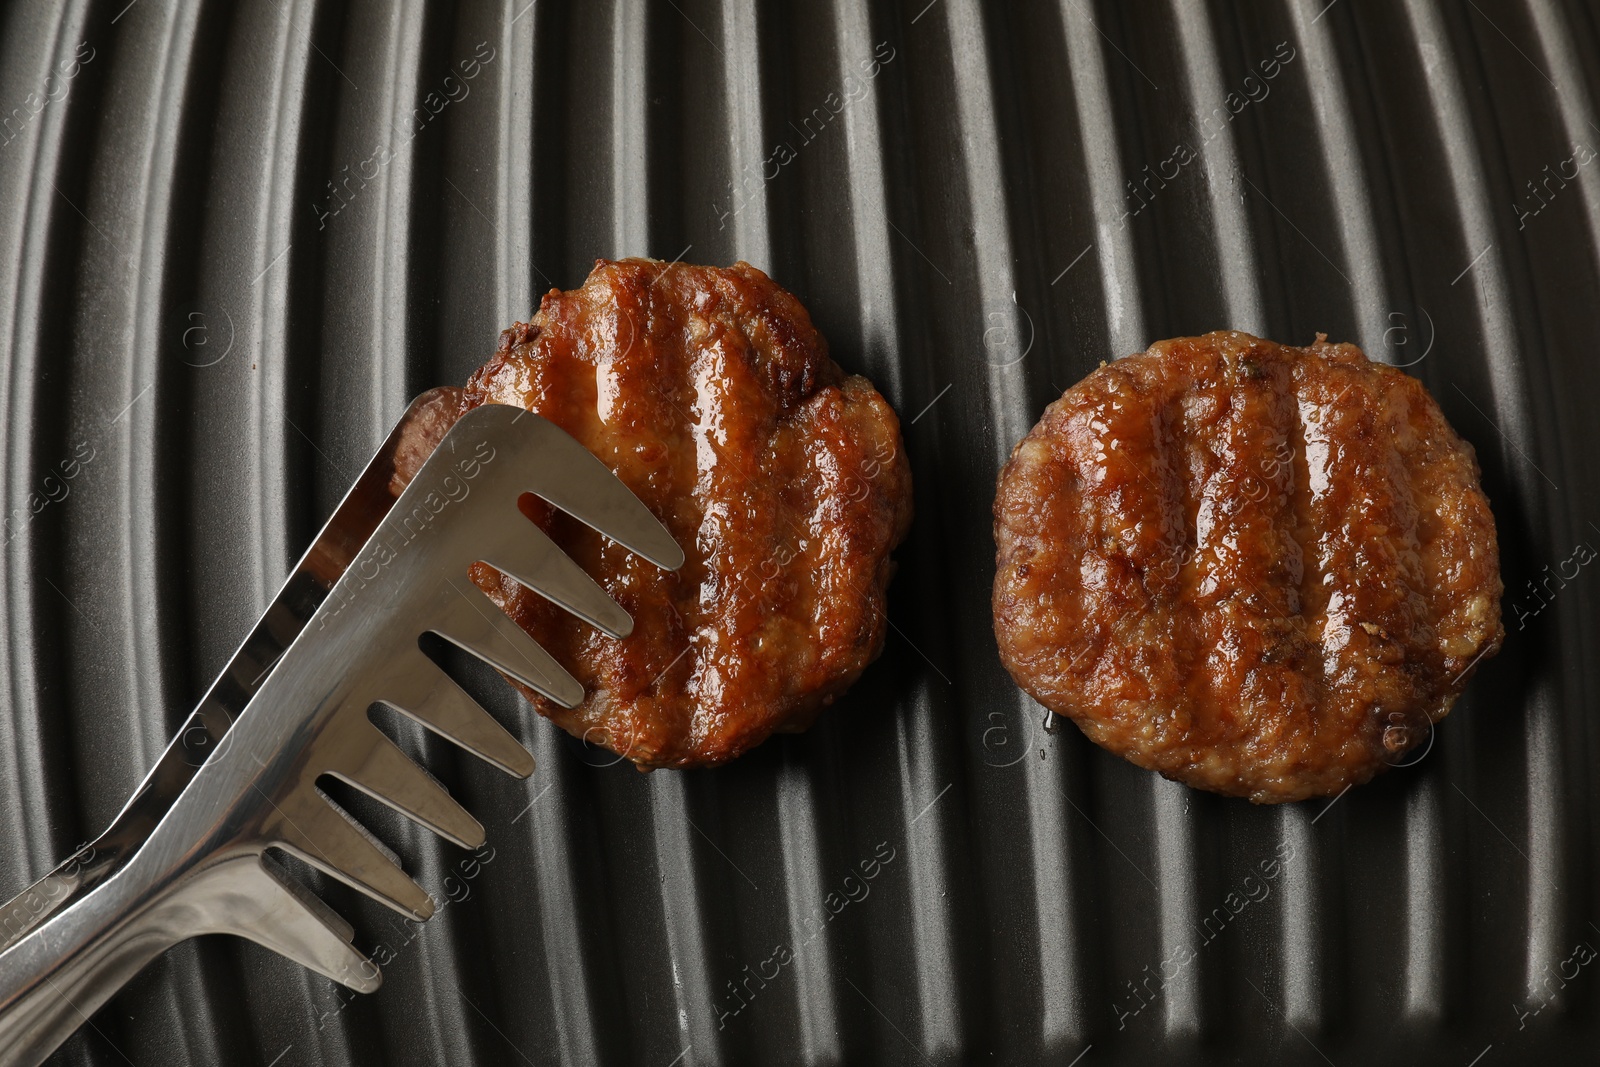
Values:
[(713, 398), (1258, 569)]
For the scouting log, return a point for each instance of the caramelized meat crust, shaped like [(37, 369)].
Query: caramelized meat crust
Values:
[(425, 424), (713, 398), (1260, 570)]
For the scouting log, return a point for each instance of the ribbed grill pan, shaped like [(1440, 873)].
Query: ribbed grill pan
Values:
[(235, 239)]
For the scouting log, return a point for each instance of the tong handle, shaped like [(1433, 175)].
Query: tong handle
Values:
[(64, 970)]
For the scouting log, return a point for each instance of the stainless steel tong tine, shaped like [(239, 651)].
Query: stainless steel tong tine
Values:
[(186, 856)]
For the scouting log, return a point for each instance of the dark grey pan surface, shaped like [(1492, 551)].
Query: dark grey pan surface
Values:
[(236, 238)]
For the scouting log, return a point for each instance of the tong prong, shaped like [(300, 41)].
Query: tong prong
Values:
[(578, 482), (316, 830), (524, 552), (420, 690), (289, 919), (366, 758), (474, 623)]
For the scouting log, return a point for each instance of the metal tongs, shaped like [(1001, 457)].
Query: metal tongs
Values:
[(186, 855)]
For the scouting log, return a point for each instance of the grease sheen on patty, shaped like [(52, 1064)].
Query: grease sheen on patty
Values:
[(1258, 569), (712, 396)]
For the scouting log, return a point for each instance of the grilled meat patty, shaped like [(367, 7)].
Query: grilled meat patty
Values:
[(713, 398), (1260, 570)]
